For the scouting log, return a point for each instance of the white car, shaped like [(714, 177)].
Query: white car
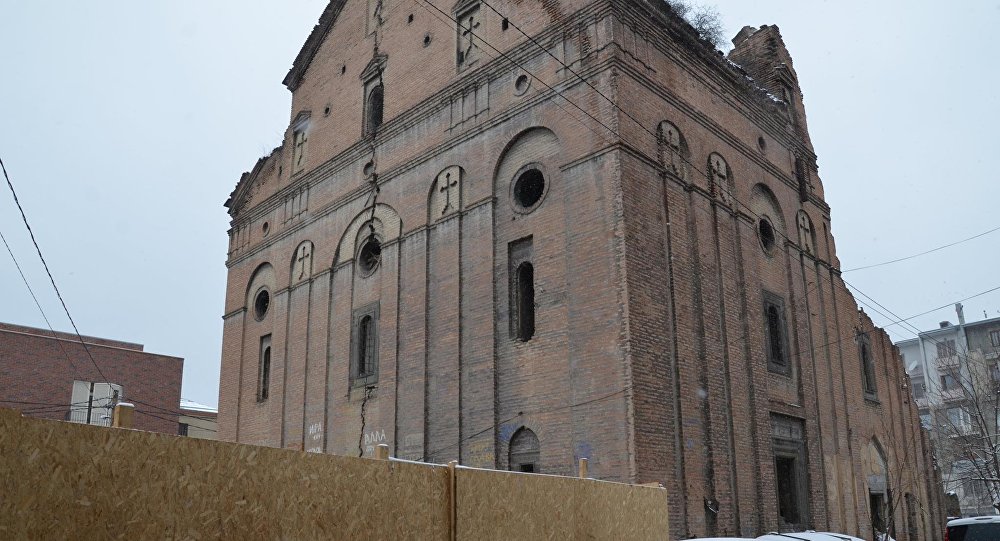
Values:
[(793, 536), (973, 529)]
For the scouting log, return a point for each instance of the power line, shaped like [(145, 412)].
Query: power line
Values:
[(949, 245), (34, 241)]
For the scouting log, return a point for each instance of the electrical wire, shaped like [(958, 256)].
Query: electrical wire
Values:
[(38, 304), (38, 249), (949, 245)]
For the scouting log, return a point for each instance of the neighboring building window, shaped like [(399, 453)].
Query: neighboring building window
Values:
[(775, 333), (919, 391), (93, 403), (926, 421), (946, 348), (264, 369), (995, 372), (522, 290), (182, 429), (789, 472), (524, 451), (995, 338), (948, 382), (469, 34), (673, 150), (364, 348), (867, 366), (957, 420)]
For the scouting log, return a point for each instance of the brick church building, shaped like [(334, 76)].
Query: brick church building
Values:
[(605, 240)]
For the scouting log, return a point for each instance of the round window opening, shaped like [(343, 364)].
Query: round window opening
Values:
[(521, 84), (529, 188), (261, 303), (370, 255), (766, 232)]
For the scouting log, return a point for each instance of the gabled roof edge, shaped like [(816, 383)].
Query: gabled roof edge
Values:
[(312, 44)]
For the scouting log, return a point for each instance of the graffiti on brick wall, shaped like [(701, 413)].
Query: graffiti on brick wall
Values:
[(480, 455), (373, 438), (314, 438)]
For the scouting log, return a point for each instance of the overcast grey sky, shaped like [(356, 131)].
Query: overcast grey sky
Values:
[(125, 125)]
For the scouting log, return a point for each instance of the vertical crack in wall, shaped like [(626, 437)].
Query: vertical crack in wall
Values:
[(364, 404)]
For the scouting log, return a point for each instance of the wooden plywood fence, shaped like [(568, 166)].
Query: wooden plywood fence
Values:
[(69, 481)]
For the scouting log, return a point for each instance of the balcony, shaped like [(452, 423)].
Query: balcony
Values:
[(948, 361), (952, 394)]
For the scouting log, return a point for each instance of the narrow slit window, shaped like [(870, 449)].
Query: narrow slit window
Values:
[(776, 335), (364, 354), (264, 376), (867, 367), (373, 117), (364, 345), (525, 301)]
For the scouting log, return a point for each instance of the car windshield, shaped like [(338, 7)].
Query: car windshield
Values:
[(974, 532)]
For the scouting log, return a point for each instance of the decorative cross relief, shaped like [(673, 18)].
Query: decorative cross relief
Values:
[(718, 171), (468, 36), (302, 265), (446, 193), (806, 236)]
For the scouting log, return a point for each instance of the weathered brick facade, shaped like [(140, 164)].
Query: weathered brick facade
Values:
[(38, 368), (650, 275)]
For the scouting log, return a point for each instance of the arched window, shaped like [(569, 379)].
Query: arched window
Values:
[(524, 451), (264, 371), (364, 354), (672, 149), (525, 305), (373, 109), (867, 366), (776, 334)]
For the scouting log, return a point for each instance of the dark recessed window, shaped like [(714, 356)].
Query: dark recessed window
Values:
[(264, 369), (766, 232), (374, 109), (521, 84), (524, 452), (761, 144), (529, 188), (364, 354), (868, 367), (261, 302), (266, 228), (370, 255), (525, 301), (409, 19), (776, 334)]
